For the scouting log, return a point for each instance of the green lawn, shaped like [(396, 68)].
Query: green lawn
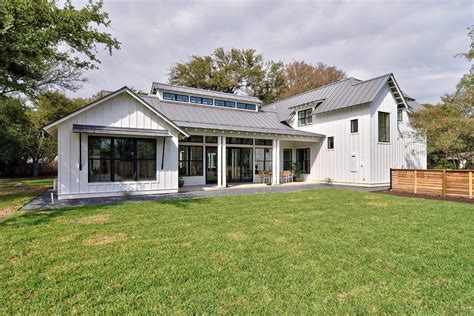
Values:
[(14, 193), (326, 251)]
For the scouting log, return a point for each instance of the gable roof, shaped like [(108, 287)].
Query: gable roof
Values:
[(188, 115), (51, 126), (338, 95)]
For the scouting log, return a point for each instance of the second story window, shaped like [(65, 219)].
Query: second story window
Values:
[(305, 117), (399, 115), (175, 97), (331, 142), (384, 127), (354, 126)]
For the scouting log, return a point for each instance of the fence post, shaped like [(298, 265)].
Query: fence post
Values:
[(444, 183), (415, 182), (391, 179), (470, 184)]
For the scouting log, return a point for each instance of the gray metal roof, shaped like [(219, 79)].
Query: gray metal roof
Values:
[(338, 95), (211, 117), (204, 92)]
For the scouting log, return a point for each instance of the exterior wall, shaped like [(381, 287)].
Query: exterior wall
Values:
[(120, 111), (336, 163), (405, 149), (358, 158)]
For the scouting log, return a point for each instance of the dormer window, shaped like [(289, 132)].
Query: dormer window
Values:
[(305, 117)]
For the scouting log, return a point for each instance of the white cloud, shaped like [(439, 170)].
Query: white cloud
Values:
[(416, 40)]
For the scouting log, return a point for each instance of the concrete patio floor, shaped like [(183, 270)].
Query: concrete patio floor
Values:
[(43, 201)]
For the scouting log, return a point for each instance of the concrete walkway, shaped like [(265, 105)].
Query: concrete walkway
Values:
[(43, 201)]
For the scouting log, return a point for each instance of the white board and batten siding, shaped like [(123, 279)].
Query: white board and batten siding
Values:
[(120, 111), (358, 158), (349, 161), (404, 150)]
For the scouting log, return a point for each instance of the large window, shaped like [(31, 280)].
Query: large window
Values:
[(263, 159), (354, 126), (305, 117), (121, 159), (287, 159), (384, 127), (190, 160), (303, 159)]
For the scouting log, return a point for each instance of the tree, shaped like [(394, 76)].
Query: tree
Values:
[(449, 126), (13, 120), (301, 77), (234, 71), (43, 45), (47, 107)]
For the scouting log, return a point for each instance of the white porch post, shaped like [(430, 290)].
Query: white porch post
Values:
[(276, 162), (223, 162), (219, 161)]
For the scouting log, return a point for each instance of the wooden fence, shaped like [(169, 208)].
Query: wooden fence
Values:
[(456, 183)]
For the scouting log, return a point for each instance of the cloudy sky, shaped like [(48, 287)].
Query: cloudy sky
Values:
[(416, 40)]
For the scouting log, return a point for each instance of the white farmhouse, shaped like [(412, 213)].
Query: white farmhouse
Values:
[(349, 132)]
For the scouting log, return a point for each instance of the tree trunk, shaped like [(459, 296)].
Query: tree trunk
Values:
[(35, 167)]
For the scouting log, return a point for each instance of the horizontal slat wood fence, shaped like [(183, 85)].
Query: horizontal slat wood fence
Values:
[(456, 183)]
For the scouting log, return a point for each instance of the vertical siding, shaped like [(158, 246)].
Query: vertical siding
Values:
[(405, 149), (336, 163), (122, 111)]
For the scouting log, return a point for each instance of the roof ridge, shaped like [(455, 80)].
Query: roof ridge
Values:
[(309, 91), (207, 90), (378, 77)]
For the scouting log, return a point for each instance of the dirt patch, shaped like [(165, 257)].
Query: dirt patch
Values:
[(237, 236), (95, 219), (6, 212), (104, 239), (429, 197), (382, 204)]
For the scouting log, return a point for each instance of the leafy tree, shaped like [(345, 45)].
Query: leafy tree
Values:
[(47, 107), (13, 120), (301, 77), (43, 45), (234, 71), (449, 126)]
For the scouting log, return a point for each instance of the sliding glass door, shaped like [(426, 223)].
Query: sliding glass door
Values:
[(239, 164)]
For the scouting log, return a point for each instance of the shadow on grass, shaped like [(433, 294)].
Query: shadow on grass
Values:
[(44, 216)]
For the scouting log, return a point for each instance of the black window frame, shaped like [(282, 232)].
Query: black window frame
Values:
[(267, 159), (305, 163), (189, 161), (239, 141), (354, 127), (193, 139), (263, 142), (330, 142), (305, 117), (287, 163), (383, 117), (111, 158)]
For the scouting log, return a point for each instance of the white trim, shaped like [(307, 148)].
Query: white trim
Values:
[(108, 97)]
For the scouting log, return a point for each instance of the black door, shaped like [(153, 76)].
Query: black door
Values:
[(239, 164), (211, 164)]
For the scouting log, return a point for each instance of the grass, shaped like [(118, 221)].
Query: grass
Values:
[(325, 251), (14, 193)]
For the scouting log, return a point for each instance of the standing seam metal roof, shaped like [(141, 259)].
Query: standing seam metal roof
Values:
[(338, 95), (211, 117)]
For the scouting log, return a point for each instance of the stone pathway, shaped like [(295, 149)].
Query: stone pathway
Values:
[(43, 201)]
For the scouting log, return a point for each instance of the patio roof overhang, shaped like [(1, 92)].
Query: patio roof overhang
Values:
[(119, 131)]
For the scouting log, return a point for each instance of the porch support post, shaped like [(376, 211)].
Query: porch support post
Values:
[(223, 162), (276, 162), (219, 161)]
